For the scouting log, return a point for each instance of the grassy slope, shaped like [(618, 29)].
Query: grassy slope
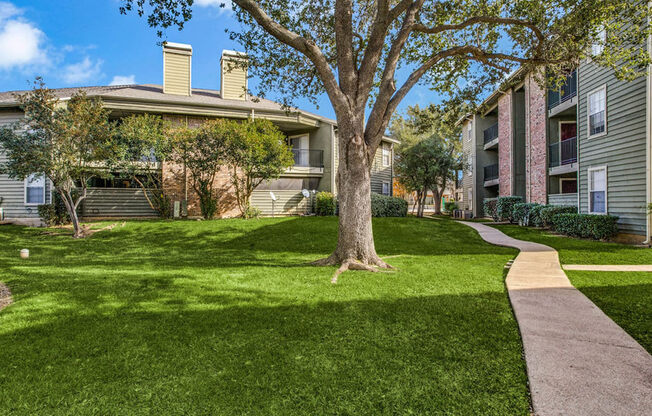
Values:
[(625, 296), (224, 317)]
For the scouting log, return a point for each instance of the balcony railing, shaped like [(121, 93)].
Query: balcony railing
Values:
[(491, 133), (567, 91), (563, 153), (490, 172), (308, 158)]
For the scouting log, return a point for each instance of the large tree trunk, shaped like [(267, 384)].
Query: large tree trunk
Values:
[(355, 240)]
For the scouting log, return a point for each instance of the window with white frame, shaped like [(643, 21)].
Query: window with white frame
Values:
[(597, 112), (469, 130), (385, 188), (387, 156), (598, 45), (470, 165), (35, 190), (598, 190)]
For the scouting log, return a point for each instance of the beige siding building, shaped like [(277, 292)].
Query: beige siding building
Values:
[(312, 139)]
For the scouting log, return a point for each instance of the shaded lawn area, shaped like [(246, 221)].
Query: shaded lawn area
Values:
[(225, 317), (626, 297)]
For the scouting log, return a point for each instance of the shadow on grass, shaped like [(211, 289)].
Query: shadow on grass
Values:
[(449, 354), (287, 242)]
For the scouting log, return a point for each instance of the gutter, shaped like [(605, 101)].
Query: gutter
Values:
[(648, 139)]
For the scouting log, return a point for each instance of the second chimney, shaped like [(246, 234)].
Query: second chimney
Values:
[(233, 75), (177, 65)]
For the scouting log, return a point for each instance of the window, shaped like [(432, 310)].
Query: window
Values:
[(385, 188), (598, 45), (598, 190), (470, 201), (469, 130), (597, 103), (387, 156), (470, 166), (35, 190)]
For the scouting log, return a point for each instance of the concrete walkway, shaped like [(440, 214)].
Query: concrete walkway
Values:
[(610, 267), (579, 361)]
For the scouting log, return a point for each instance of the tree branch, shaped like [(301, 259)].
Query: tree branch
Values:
[(344, 46), (299, 43), (387, 85), (419, 27)]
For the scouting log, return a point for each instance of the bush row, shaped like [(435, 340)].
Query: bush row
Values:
[(597, 227), (561, 219), (381, 205)]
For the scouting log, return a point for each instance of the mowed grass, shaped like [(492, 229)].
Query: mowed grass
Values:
[(626, 297), (225, 317)]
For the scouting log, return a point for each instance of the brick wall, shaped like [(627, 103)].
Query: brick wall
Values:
[(505, 143), (536, 167), (177, 182)]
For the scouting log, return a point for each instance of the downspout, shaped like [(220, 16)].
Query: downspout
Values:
[(185, 177), (648, 139)]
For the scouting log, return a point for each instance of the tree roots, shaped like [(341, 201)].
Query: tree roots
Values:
[(374, 265)]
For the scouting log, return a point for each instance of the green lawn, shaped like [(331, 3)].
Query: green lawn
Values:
[(625, 296), (225, 317), (581, 251)]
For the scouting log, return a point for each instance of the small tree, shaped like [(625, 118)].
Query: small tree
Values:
[(68, 144), (201, 150), (146, 139), (256, 151)]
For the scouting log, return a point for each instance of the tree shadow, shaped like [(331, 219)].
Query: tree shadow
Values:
[(453, 354)]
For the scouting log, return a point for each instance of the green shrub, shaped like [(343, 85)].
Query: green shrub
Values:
[(450, 206), (54, 213), (505, 207), (388, 206), (522, 212), (535, 215), (252, 212), (325, 204), (548, 213), (489, 206), (597, 227)]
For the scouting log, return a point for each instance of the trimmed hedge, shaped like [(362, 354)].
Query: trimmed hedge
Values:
[(535, 215), (490, 209), (54, 213), (450, 206), (325, 204), (505, 207), (547, 214), (522, 212), (597, 227), (388, 206)]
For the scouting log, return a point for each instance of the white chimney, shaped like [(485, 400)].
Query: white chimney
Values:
[(177, 65), (233, 75)]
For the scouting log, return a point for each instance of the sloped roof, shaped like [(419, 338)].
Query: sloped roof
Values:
[(154, 93)]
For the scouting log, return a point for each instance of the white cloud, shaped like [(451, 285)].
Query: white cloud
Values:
[(123, 80), (228, 6), (83, 71), (21, 42)]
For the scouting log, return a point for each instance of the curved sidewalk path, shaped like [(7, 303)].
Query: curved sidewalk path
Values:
[(579, 361)]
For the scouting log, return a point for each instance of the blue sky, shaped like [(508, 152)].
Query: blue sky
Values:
[(78, 43)]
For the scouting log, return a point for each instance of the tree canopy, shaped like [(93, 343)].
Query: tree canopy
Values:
[(366, 55), (69, 144)]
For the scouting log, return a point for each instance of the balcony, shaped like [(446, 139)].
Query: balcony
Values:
[(491, 175), (490, 136), (307, 162), (563, 98), (562, 156)]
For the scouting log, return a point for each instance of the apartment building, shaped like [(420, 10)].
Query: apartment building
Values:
[(585, 144), (312, 138)]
